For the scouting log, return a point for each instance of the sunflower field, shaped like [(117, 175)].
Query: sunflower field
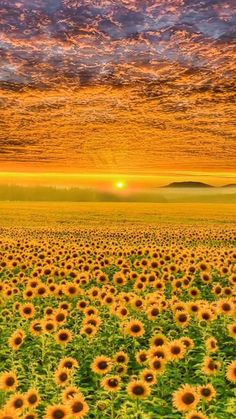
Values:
[(118, 321)]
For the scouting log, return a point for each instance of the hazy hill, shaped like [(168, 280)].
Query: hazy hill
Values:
[(188, 184), (230, 185)]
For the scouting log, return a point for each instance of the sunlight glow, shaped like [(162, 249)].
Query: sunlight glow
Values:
[(120, 185)]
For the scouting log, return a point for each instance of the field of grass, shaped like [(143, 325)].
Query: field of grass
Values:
[(117, 311)]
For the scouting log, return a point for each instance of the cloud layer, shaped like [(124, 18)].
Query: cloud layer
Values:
[(117, 86)]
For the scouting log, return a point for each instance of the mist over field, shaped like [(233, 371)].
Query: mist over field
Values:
[(76, 194)]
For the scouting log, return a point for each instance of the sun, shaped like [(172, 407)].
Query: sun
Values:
[(120, 185)]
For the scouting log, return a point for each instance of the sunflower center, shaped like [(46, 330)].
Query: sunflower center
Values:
[(77, 407), (175, 350), (32, 399), (188, 398), (135, 328), (206, 392), (149, 378), (159, 342), (138, 390), (60, 317), (63, 376), (68, 364), (113, 382), (27, 310), (49, 326), (10, 381), (182, 318), (18, 403), (58, 414), (120, 358), (63, 336), (102, 365), (157, 365), (211, 365)]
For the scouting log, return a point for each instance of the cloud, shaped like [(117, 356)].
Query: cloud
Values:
[(131, 86)]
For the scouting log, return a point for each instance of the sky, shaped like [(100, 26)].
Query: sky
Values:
[(139, 91)]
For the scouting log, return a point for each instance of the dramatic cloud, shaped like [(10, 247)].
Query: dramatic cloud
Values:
[(123, 85)]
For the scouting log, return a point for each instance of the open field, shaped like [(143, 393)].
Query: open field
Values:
[(117, 311), (56, 214)]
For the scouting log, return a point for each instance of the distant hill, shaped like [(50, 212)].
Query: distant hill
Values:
[(230, 185), (188, 184)]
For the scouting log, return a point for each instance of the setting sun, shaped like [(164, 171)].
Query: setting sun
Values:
[(120, 185)]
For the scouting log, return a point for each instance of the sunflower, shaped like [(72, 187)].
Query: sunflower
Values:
[(207, 392), (149, 376), (93, 320), (217, 289), (193, 307), (101, 365), (187, 341), (210, 366), (232, 330), (16, 339), (176, 350), (158, 340), (194, 414), (71, 290), (226, 307), (58, 411), (70, 392), (137, 303), (63, 336), (182, 318), (121, 358), (48, 326), (60, 316), (205, 314), (78, 406), (30, 415), (138, 389), (134, 328), (161, 352), (68, 363), (36, 327), (27, 310), (121, 369), (211, 344), (32, 398), (42, 291), (111, 383), (16, 402), (158, 365), (89, 330), (186, 398), (8, 413), (194, 292), (48, 311), (231, 372), (122, 312), (81, 305), (8, 381), (152, 312), (64, 305), (62, 376)]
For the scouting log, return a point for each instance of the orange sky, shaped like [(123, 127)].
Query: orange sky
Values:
[(131, 88)]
